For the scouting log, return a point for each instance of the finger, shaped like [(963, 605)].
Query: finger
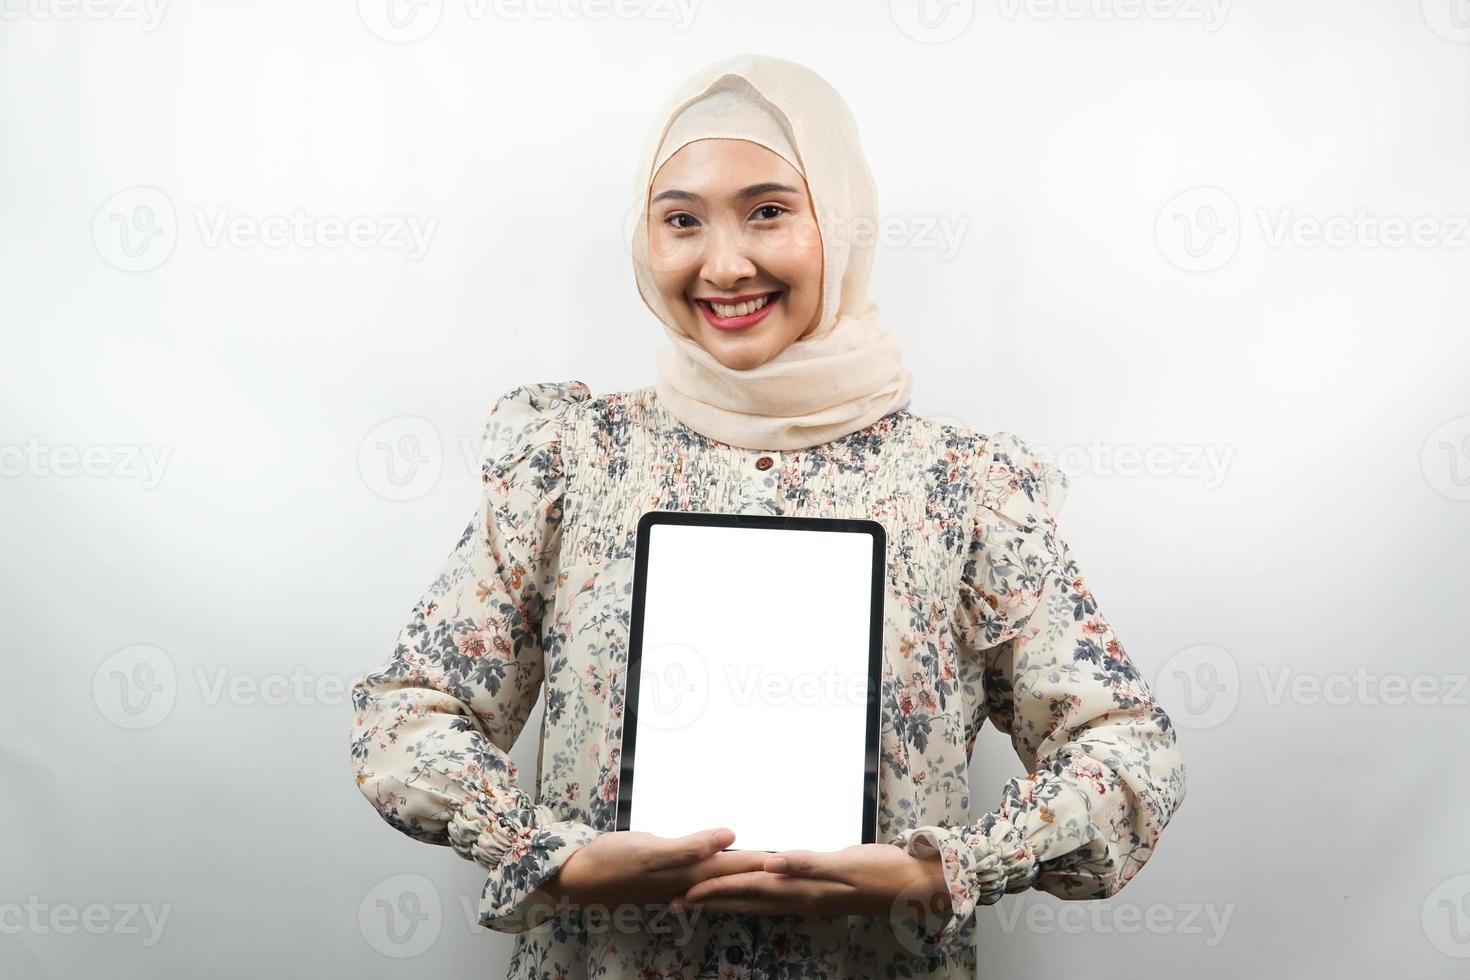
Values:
[(807, 864), (680, 851), (767, 894), (725, 863), (745, 884), (716, 865), (679, 879)]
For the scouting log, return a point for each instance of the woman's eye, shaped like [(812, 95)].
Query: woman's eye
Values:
[(677, 221), (768, 212)]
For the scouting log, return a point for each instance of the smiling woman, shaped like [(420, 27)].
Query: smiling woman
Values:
[(755, 253), (780, 396), (728, 254)]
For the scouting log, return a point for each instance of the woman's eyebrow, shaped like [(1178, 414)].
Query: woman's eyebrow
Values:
[(754, 190), (674, 196), (769, 187)]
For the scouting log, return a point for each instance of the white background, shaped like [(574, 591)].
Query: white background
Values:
[(1294, 551)]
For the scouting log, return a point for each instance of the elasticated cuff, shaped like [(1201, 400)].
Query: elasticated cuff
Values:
[(521, 845), (980, 865)]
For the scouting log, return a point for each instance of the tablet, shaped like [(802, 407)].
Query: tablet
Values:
[(754, 670)]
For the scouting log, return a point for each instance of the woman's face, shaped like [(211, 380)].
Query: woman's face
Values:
[(735, 250)]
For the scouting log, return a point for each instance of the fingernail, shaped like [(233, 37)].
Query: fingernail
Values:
[(776, 864)]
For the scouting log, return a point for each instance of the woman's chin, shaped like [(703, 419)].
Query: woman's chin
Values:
[(743, 363), (738, 351)]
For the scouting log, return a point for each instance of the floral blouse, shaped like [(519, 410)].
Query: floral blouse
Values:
[(987, 616)]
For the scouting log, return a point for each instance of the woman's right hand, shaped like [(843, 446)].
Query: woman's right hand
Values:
[(633, 866)]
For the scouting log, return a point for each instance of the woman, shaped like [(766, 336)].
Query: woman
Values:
[(778, 394)]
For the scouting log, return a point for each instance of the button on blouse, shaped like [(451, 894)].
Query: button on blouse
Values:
[(987, 617)]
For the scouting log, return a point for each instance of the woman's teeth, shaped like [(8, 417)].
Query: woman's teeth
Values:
[(739, 309)]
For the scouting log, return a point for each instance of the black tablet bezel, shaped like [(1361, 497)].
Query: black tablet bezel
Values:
[(869, 829)]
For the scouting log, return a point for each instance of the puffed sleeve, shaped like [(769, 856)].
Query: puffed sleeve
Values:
[(433, 724), (1104, 770)]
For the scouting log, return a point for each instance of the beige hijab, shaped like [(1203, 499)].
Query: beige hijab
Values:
[(846, 373)]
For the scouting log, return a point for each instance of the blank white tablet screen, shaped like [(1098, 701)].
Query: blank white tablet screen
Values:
[(753, 685)]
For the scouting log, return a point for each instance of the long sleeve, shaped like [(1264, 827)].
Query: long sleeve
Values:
[(1104, 771), (433, 724)]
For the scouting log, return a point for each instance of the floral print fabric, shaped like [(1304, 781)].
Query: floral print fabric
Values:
[(987, 617)]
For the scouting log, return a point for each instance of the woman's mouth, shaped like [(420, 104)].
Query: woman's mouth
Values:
[(737, 312)]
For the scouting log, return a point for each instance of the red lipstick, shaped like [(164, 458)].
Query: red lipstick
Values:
[(736, 322)]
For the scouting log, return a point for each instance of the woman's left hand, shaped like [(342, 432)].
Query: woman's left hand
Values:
[(864, 879)]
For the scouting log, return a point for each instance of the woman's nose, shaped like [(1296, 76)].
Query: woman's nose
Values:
[(725, 258)]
